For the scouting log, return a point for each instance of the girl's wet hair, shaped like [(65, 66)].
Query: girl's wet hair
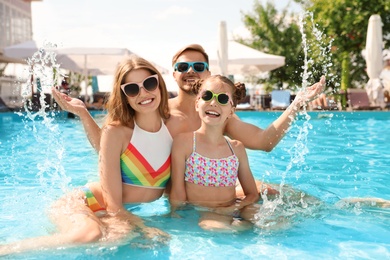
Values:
[(238, 88)]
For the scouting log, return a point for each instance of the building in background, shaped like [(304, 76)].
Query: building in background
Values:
[(15, 23), (15, 28)]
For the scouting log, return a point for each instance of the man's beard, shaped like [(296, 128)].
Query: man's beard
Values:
[(186, 88)]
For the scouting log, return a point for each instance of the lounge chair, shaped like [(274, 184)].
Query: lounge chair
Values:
[(280, 99), (245, 104), (358, 100)]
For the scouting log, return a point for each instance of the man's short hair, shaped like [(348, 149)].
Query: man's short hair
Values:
[(191, 47)]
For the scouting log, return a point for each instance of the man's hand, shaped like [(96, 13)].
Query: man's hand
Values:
[(310, 93)]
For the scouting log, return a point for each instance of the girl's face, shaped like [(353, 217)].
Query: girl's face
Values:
[(143, 92), (214, 103)]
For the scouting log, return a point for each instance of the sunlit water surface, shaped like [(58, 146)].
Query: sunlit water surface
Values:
[(326, 155)]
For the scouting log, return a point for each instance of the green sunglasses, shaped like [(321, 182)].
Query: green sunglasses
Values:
[(222, 98)]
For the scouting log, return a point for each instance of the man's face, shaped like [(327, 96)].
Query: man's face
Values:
[(184, 79)]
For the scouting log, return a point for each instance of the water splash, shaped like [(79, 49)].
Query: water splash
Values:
[(43, 71), (43, 134), (274, 213)]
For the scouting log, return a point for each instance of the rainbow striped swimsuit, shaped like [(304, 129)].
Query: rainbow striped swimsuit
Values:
[(146, 161), (92, 202)]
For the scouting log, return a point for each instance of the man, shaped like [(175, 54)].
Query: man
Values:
[(183, 112)]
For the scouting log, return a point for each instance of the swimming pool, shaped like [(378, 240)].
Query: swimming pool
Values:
[(343, 155)]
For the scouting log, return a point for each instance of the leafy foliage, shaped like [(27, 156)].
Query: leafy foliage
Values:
[(336, 40), (279, 34), (346, 22)]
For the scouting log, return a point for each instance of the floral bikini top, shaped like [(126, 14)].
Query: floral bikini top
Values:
[(211, 172)]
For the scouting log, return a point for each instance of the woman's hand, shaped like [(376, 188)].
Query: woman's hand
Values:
[(73, 105)]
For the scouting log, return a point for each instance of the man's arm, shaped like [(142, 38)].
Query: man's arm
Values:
[(77, 107), (178, 195), (256, 138)]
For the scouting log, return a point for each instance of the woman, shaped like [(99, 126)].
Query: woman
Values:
[(130, 171)]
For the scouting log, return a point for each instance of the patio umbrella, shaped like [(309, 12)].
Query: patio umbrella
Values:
[(29, 53), (27, 50), (374, 60), (95, 61), (92, 61), (87, 61), (245, 60), (222, 52), (84, 60), (21, 51)]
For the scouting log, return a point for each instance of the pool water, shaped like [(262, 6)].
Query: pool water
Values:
[(326, 155)]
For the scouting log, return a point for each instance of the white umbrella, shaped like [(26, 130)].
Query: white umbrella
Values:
[(374, 60), (85, 60), (29, 50), (92, 61), (245, 60), (21, 51), (38, 58), (95, 61), (222, 52)]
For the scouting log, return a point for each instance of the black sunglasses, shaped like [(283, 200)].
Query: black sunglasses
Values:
[(222, 98), (132, 89), (197, 66)]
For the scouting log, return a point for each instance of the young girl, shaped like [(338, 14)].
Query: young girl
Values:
[(134, 165), (206, 165)]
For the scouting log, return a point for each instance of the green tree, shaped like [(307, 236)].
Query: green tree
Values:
[(346, 22), (276, 33), (334, 43)]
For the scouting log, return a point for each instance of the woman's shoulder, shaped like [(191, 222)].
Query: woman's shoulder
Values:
[(118, 130)]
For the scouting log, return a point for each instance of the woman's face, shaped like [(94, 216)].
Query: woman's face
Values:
[(143, 100)]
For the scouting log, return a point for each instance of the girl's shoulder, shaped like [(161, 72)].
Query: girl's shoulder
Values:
[(236, 145)]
